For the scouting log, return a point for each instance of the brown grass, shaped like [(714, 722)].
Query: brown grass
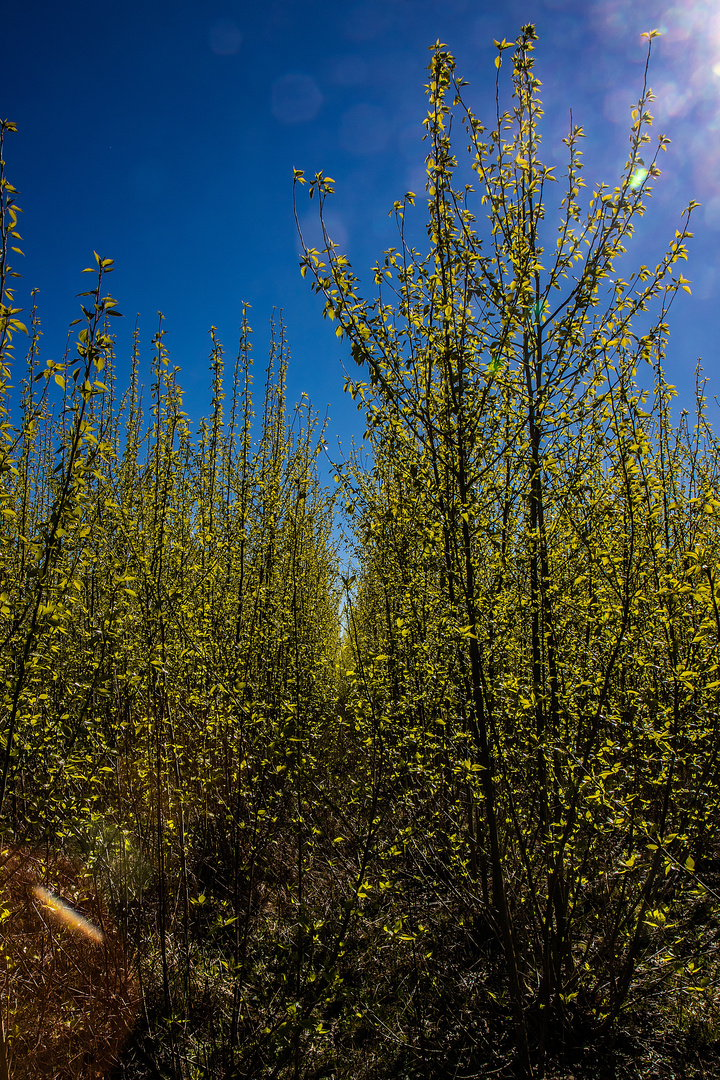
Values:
[(68, 995)]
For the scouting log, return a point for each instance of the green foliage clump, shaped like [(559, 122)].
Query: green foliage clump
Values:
[(170, 625), (534, 630)]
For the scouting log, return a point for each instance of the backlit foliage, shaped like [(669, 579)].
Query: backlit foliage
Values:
[(534, 627), (455, 813)]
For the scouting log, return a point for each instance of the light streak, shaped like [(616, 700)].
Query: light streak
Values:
[(67, 915)]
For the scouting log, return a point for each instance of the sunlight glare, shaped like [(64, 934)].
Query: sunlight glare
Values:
[(638, 177), (68, 916)]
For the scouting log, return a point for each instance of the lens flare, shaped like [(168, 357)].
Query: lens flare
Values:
[(225, 37), (295, 98), (365, 129), (638, 178), (67, 915), (684, 78)]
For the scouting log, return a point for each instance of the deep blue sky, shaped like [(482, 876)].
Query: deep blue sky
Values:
[(163, 133)]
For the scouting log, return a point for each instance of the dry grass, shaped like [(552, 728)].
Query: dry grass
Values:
[(69, 998)]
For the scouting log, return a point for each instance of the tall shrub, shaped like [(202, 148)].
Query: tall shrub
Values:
[(535, 616)]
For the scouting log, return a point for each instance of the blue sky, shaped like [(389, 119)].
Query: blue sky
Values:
[(163, 134)]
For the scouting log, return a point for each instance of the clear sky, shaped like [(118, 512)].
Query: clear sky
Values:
[(163, 134)]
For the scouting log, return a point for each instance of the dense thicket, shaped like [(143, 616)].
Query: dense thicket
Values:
[(534, 627), (469, 823), (170, 627)]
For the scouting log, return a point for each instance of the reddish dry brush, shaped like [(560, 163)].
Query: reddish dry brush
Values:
[(66, 982)]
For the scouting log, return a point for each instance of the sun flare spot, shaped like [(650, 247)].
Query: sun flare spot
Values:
[(68, 916), (638, 177)]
